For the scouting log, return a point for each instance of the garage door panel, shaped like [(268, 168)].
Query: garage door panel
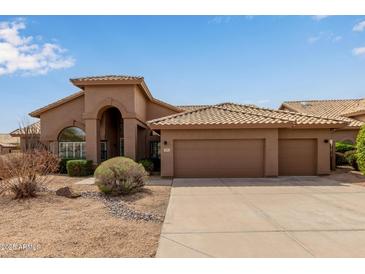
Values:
[(219, 158), (297, 157)]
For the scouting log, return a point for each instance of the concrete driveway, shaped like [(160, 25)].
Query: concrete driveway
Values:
[(270, 217)]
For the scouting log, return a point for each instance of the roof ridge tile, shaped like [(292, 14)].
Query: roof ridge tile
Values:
[(263, 115), (291, 112), (108, 77), (322, 100)]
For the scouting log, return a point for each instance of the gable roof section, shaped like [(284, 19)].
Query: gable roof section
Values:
[(103, 80), (337, 109), (229, 115), (34, 128), (121, 79), (357, 110), (36, 113)]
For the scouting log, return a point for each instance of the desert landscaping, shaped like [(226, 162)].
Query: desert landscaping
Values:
[(56, 226)]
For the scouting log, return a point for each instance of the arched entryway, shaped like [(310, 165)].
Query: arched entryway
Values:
[(111, 133)]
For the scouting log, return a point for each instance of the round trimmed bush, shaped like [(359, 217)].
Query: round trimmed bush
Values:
[(120, 176), (78, 168), (63, 165)]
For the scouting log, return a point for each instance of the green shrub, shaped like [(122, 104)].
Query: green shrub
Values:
[(342, 147), (63, 166), (147, 164), (360, 149), (350, 157), (78, 168), (347, 141), (340, 159), (120, 176)]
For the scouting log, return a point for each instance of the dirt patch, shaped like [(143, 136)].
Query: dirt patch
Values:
[(348, 175), (54, 226)]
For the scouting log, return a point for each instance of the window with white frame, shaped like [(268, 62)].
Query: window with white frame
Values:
[(71, 143)]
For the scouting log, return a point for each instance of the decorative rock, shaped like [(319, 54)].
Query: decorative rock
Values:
[(67, 192), (119, 208)]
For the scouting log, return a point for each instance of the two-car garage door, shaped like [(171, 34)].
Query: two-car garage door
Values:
[(219, 158), (242, 158)]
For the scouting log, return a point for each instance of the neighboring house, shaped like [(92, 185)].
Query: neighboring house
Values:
[(117, 115), (350, 110), (28, 136), (8, 144)]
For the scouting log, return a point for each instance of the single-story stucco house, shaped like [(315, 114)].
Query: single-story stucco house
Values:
[(28, 135), (117, 115), (8, 143)]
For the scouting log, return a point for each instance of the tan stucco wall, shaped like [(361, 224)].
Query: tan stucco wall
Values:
[(270, 136), (56, 119), (323, 147), (86, 111), (140, 106), (155, 111), (97, 97)]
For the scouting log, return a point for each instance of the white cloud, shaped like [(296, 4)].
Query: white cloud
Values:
[(313, 39), (319, 17), (358, 51), (326, 36), (20, 53), (337, 38), (359, 27), (220, 20)]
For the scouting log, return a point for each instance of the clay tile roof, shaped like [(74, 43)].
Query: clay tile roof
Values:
[(195, 107), (338, 109), (34, 128), (62, 101), (236, 114), (355, 110), (192, 107), (107, 78)]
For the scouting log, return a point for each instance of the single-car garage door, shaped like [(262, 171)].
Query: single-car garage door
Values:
[(219, 158), (297, 157)]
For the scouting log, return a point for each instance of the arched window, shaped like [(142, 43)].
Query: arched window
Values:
[(71, 143)]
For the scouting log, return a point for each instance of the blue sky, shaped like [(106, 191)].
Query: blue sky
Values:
[(260, 60)]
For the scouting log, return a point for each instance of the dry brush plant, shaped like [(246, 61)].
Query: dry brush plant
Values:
[(23, 174)]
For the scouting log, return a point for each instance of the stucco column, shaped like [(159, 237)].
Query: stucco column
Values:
[(323, 151), (92, 140), (271, 154), (167, 154), (130, 138)]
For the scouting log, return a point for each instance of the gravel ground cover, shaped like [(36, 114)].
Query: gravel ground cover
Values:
[(89, 226)]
